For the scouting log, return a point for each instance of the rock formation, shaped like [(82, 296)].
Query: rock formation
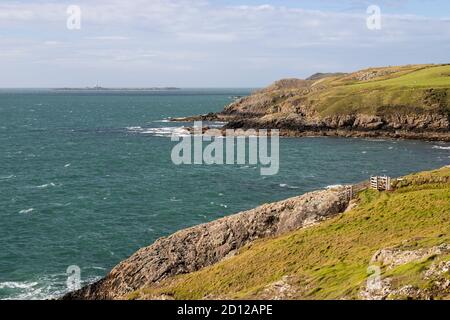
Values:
[(195, 248), (362, 104)]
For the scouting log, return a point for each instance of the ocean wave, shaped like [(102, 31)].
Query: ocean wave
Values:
[(134, 128), (25, 211), (284, 185), (441, 147), (167, 131), (219, 204), (333, 186), (17, 285), (161, 132), (7, 177), (163, 120), (47, 287), (248, 167), (51, 184), (375, 140), (28, 290)]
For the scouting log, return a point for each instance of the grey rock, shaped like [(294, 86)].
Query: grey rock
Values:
[(204, 245)]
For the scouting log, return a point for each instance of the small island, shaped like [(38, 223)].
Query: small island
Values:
[(99, 88)]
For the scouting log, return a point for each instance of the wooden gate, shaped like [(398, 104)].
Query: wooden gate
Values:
[(380, 183)]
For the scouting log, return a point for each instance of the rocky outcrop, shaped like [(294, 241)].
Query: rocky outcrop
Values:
[(435, 275), (279, 110), (284, 289), (302, 107), (393, 257), (195, 248)]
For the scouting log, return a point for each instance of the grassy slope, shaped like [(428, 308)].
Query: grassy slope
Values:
[(403, 90), (330, 260)]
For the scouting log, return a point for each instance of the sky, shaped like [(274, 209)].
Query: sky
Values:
[(206, 43)]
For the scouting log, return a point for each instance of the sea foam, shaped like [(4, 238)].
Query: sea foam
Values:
[(284, 185), (24, 211), (161, 132), (441, 147)]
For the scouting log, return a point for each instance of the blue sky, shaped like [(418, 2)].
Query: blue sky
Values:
[(201, 43)]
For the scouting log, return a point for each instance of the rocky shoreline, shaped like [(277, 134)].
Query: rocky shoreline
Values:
[(204, 245), (429, 128), (327, 132)]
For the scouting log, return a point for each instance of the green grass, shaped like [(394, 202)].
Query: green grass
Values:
[(402, 92), (330, 260), (432, 76)]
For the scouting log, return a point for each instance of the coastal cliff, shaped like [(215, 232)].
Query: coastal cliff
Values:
[(204, 245), (321, 245), (398, 102)]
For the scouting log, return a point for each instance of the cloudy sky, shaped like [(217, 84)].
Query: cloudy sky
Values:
[(206, 43)]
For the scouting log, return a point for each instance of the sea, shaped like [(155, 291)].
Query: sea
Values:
[(86, 178)]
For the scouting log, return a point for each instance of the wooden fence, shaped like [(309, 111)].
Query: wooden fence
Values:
[(353, 190)]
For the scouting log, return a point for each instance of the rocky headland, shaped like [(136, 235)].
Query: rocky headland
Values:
[(204, 245), (319, 245), (409, 102)]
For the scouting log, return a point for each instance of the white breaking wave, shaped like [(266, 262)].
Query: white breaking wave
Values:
[(7, 177), (161, 132), (51, 184), (24, 211), (441, 147), (284, 185), (48, 287), (17, 285), (134, 128), (333, 186), (163, 121)]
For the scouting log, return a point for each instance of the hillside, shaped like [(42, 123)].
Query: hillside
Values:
[(400, 102), (319, 245), (204, 245), (406, 233)]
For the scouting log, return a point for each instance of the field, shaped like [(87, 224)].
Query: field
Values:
[(402, 90)]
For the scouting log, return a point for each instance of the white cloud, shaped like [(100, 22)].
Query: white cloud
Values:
[(218, 43)]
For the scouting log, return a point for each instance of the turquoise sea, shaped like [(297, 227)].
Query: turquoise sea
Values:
[(86, 178)]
